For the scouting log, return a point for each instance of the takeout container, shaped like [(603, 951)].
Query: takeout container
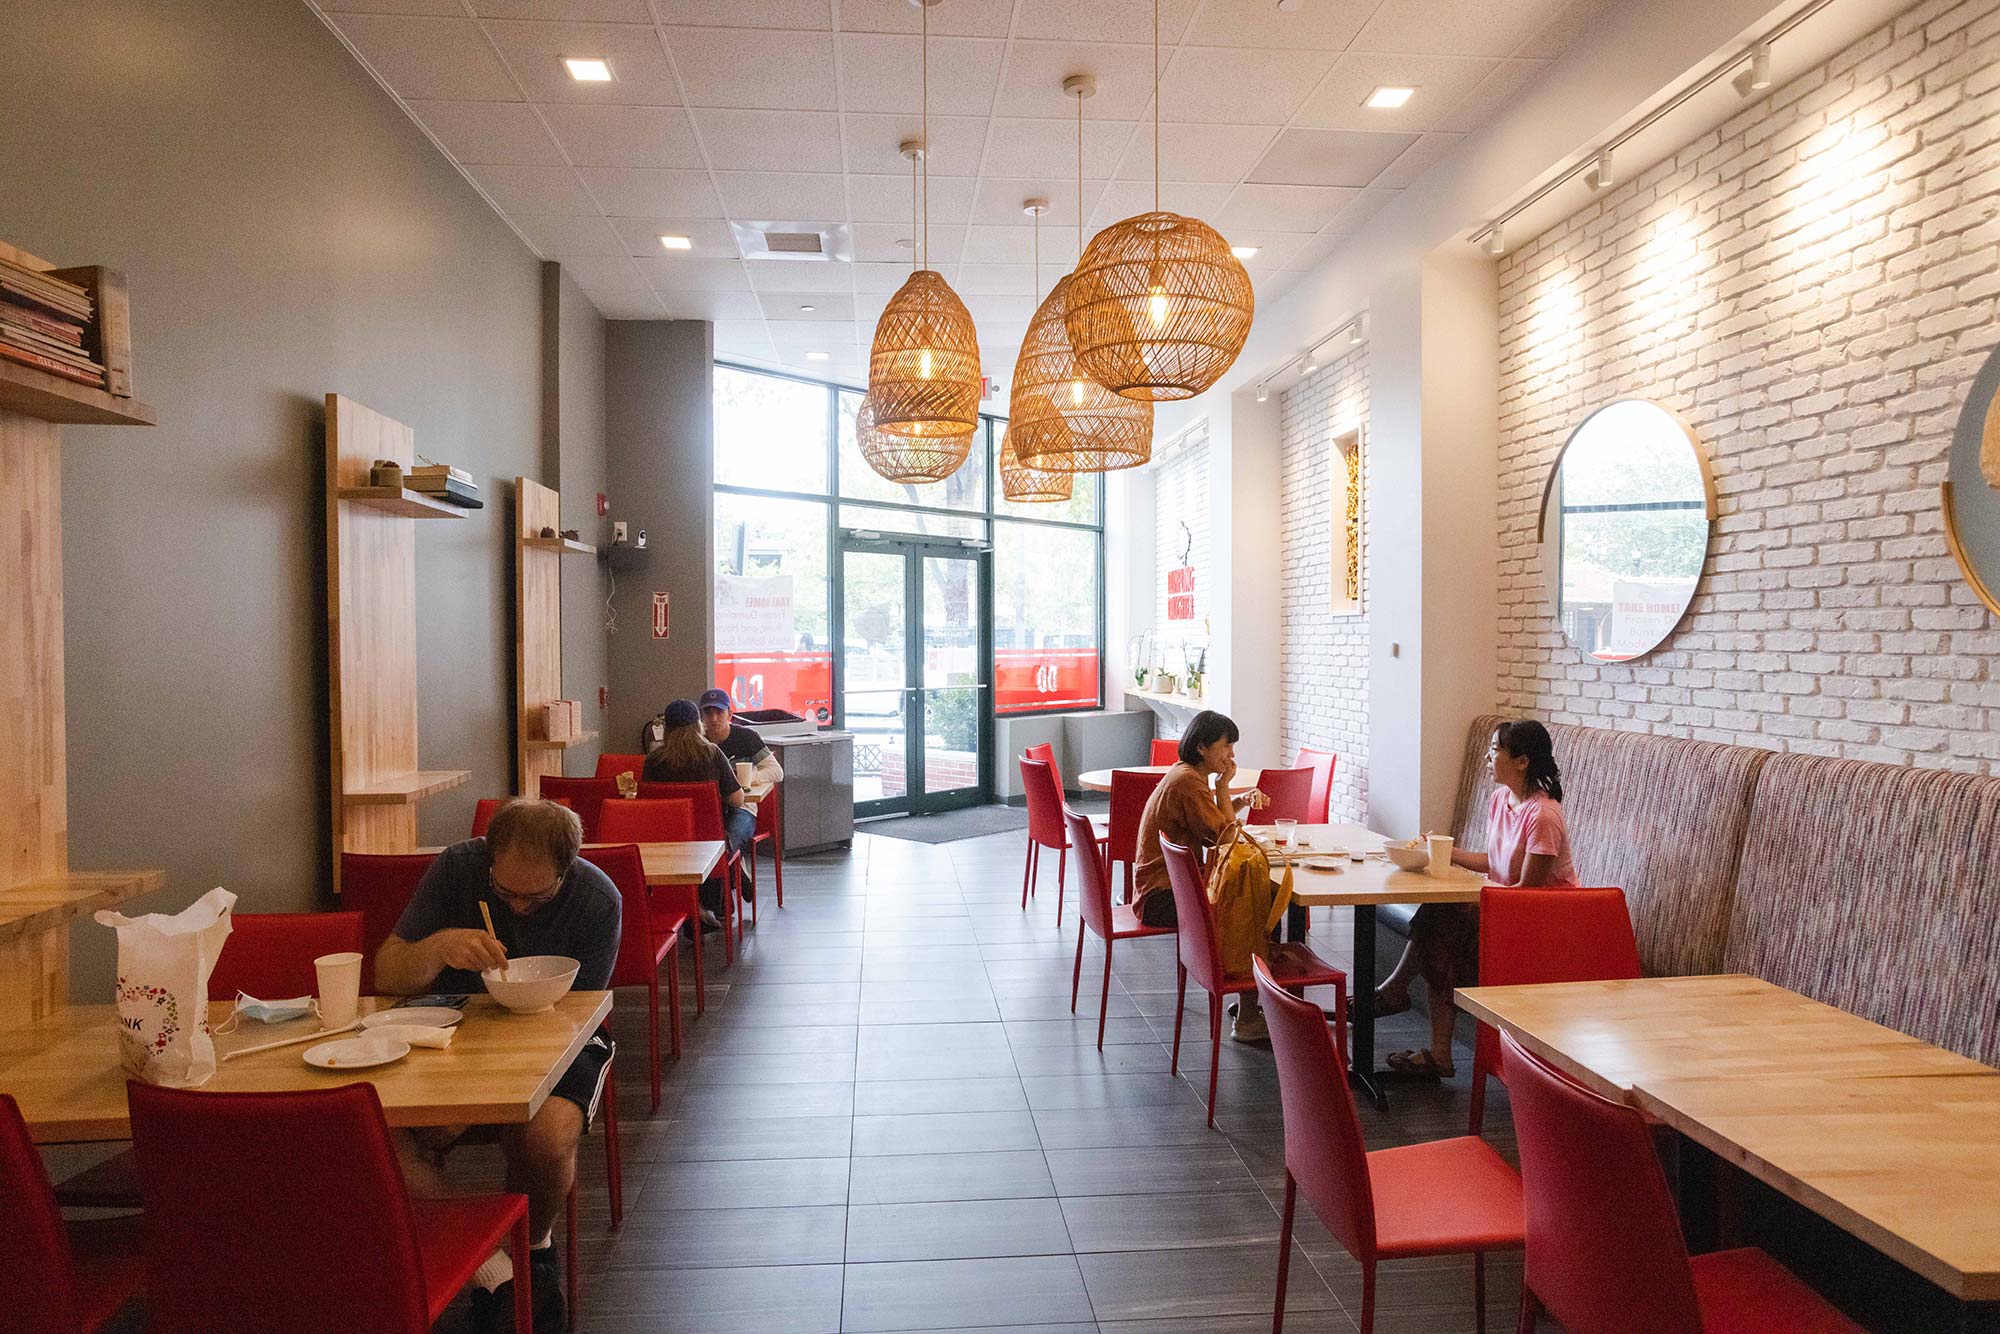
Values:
[(1411, 854), (537, 982)]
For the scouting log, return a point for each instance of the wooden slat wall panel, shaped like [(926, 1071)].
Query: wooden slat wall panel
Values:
[(537, 629)]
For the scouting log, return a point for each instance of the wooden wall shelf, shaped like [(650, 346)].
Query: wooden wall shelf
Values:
[(564, 545), (576, 740), (403, 502), (41, 904), (51, 398), (401, 789)]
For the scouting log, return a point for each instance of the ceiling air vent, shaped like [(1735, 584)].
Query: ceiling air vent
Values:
[(794, 243), (810, 242)]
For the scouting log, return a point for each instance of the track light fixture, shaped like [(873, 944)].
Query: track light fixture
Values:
[(1496, 243), (1601, 175), (1756, 76), (1262, 393), (1354, 332)]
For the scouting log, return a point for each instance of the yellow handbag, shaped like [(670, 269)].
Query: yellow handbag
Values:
[(1248, 904)]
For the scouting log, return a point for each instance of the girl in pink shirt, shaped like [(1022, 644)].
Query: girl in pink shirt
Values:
[(1527, 843)]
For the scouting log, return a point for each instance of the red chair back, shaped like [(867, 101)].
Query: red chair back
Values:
[(1046, 753), (37, 1268), (646, 820), (270, 955), (1324, 1150), (1045, 802), (610, 766), (585, 796), (704, 802), (1603, 1240), (1290, 791), (1094, 885), (1319, 804), (378, 885), (236, 1183), (1130, 790), (1200, 950), (488, 807), (1166, 752), (638, 949)]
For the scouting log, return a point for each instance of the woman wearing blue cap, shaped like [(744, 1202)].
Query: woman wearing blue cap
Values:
[(684, 755)]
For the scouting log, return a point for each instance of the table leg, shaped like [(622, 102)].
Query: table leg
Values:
[(1361, 1009)]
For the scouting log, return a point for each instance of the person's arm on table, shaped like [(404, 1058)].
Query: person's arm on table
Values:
[(765, 771), (406, 967)]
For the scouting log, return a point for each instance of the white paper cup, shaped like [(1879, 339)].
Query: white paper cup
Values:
[(339, 988), (1440, 866), (1288, 831), (743, 771)]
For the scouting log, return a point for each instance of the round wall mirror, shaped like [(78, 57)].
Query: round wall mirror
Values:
[(1971, 498), (1625, 520)]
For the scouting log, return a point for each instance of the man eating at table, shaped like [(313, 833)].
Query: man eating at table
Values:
[(544, 899)]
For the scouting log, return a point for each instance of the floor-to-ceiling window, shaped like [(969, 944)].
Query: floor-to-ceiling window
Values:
[(950, 604)]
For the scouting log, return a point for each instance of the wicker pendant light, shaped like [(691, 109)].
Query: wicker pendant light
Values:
[(923, 371), (1158, 307), (1018, 482), (903, 458)]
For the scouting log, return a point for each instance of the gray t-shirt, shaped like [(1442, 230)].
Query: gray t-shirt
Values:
[(582, 922)]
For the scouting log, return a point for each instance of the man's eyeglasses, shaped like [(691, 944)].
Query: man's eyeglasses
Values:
[(514, 900)]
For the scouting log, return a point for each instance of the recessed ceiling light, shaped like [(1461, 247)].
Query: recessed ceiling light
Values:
[(588, 69), (1243, 251), (1388, 99), (816, 356), (808, 308), (676, 243)]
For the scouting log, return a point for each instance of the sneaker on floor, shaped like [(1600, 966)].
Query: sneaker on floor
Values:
[(551, 1309), (493, 1310), (1249, 1027), (709, 921)]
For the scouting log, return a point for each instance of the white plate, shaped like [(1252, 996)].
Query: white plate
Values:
[(356, 1053), (423, 1016), (1324, 863)]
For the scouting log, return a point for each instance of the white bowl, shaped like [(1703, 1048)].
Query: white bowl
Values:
[(1410, 854), (538, 982)]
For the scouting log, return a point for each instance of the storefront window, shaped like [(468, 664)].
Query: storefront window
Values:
[(771, 645)]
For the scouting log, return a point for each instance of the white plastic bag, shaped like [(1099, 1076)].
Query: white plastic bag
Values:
[(164, 960)]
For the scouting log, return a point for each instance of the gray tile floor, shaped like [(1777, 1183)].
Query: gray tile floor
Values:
[(889, 1120)]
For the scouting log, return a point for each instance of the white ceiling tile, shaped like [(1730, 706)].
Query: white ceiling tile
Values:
[(1010, 311), (570, 237), (1441, 82), (695, 275), (1319, 26), (711, 238), (805, 14), (1418, 158), (1314, 252), (996, 280), (811, 333), (880, 279), (1126, 199), (873, 143), (1048, 147), (616, 136), (747, 67), (711, 305), (453, 7), (490, 132), (783, 196), (1219, 85), (625, 305), (876, 242), (1275, 250), (887, 199), (826, 306), (881, 72), (868, 308), (1329, 157), (1285, 208), (1102, 20), (575, 11), (1497, 89), (743, 337), (618, 274), (797, 275), (535, 52), (634, 193), (430, 58), (1191, 152), (1560, 32), (1036, 70), (1016, 245), (962, 18), (533, 189), (999, 199), (1356, 212), (739, 140), (1453, 27)]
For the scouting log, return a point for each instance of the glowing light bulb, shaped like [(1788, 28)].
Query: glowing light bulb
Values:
[(1076, 393), (924, 364), (1156, 307)]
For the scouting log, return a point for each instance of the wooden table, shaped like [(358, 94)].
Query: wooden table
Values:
[(1099, 780), (1887, 1136), (1363, 886), (667, 863), (499, 1068)]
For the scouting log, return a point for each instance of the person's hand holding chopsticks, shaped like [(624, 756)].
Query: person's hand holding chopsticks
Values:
[(467, 948), (487, 914)]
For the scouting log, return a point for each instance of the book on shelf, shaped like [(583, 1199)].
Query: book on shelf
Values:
[(443, 488), (93, 377), (441, 470), (42, 289), (42, 320)]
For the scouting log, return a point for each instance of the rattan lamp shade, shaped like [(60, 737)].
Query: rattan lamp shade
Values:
[(1158, 307), (1023, 484), (923, 372), (907, 458), (1059, 418)]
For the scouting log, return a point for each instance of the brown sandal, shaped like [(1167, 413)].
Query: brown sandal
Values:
[(1420, 1065)]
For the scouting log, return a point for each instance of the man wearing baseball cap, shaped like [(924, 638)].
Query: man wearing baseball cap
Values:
[(741, 744)]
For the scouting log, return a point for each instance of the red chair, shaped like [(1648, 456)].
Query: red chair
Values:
[(1045, 827), (1290, 791), (1295, 966), (313, 1168), (270, 955), (1130, 790), (488, 807), (1046, 753), (62, 1278), (1096, 912), (1166, 752), (706, 802), (1545, 935), (1604, 1240), (649, 939), (646, 820), (585, 796), (379, 885), (610, 766), (1447, 1197), (1319, 805), (770, 829)]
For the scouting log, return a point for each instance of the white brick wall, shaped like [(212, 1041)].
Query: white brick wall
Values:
[(1812, 286), (1324, 668)]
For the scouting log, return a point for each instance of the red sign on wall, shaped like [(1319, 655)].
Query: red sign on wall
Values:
[(1180, 594), (659, 615), (1027, 679), (800, 683)]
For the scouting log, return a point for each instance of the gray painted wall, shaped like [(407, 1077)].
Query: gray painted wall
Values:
[(660, 463), (286, 231), (573, 454)]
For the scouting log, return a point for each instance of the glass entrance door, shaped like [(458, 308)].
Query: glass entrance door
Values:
[(912, 682)]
